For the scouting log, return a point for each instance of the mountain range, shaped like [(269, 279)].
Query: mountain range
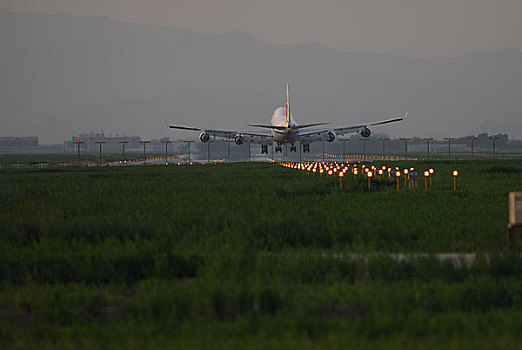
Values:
[(63, 75)]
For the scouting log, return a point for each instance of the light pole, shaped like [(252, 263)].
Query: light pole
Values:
[(228, 149), (472, 138), (494, 137), (166, 142), (100, 144), (249, 142), (78, 143), (123, 148), (323, 151), (344, 148), (208, 151), (300, 149), (405, 139), (428, 139), (449, 139), (384, 145), (144, 150), (364, 146), (188, 146)]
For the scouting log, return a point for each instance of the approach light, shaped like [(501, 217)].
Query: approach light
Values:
[(431, 171), (369, 174), (455, 174), (426, 173)]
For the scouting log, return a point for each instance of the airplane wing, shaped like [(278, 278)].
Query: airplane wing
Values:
[(227, 134), (314, 134)]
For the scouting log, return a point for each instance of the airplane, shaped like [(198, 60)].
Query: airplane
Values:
[(284, 130)]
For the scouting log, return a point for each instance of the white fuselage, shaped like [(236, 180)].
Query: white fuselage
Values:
[(279, 119)]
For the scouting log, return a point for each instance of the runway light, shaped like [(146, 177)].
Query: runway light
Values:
[(426, 175), (369, 174), (455, 174)]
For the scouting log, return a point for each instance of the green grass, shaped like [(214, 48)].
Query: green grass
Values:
[(255, 256)]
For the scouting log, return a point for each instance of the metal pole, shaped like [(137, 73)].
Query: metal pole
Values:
[(208, 152), (228, 150), (272, 147), (384, 145), (323, 151), (428, 139), (188, 143), (472, 138), (364, 147), (449, 145), (300, 146), (405, 139), (249, 151)]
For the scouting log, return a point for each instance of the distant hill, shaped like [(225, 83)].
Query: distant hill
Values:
[(61, 75)]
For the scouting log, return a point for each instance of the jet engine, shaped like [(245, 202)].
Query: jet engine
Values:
[(365, 132), (204, 137), (238, 139), (330, 136)]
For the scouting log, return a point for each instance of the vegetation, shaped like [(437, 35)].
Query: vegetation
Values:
[(255, 255)]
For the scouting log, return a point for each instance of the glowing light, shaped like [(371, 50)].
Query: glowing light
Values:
[(431, 171), (426, 173), (455, 173), (369, 174)]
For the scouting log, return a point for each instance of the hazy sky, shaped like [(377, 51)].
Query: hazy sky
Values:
[(421, 28)]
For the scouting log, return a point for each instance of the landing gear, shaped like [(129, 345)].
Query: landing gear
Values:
[(293, 148), (279, 149), (306, 148), (264, 149)]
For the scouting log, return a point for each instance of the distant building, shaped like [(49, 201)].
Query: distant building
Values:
[(18, 141), (112, 143)]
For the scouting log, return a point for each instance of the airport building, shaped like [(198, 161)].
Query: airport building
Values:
[(18, 141)]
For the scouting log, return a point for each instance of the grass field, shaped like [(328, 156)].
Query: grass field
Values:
[(255, 256)]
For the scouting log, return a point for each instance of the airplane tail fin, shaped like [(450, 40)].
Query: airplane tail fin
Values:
[(287, 105)]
